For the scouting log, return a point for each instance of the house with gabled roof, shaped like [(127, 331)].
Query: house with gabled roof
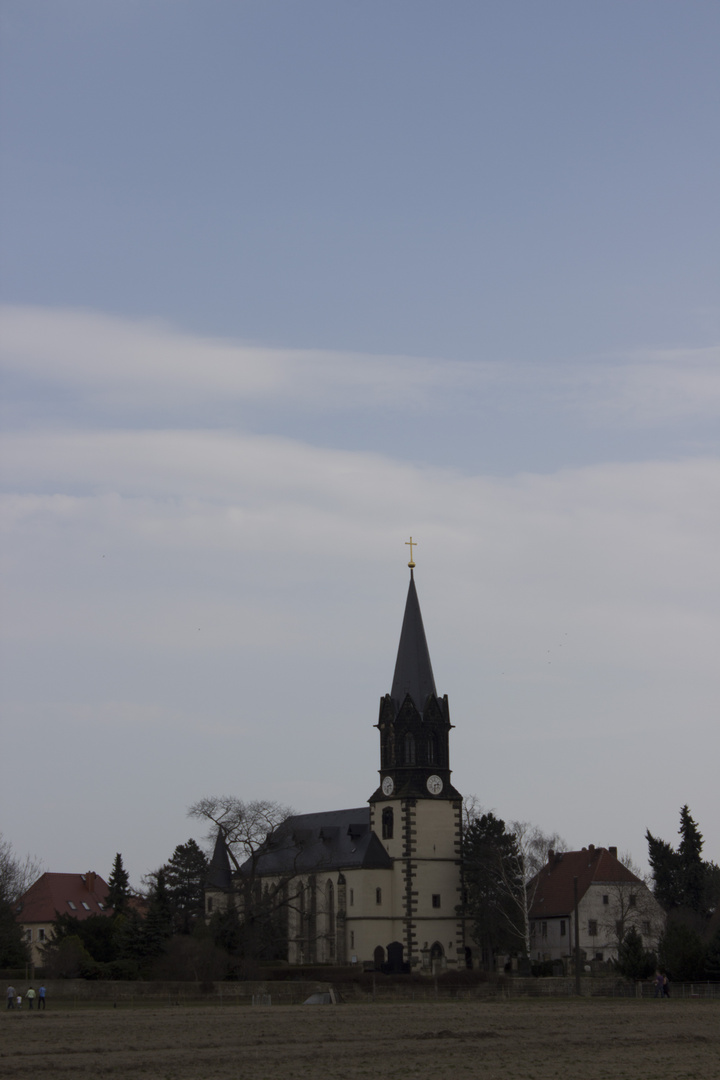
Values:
[(79, 895), (610, 900), (378, 885)]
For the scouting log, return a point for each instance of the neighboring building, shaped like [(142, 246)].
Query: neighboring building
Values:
[(80, 895), (610, 899), (379, 884)]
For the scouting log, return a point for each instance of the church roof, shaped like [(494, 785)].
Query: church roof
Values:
[(413, 670), (313, 843)]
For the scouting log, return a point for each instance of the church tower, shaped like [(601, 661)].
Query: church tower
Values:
[(416, 811)]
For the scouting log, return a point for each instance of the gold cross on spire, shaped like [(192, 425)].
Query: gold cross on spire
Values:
[(411, 544)]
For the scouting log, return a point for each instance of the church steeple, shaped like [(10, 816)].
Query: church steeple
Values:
[(413, 670), (414, 722)]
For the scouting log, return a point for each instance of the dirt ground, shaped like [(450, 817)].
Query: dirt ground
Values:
[(507, 1040)]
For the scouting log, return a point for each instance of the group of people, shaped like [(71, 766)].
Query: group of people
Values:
[(662, 986), (14, 1001)]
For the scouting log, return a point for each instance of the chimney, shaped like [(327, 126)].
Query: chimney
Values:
[(591, 847), (613, 852), (90, 880)]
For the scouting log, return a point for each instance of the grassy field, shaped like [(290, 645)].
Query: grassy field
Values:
[(507, 1040)]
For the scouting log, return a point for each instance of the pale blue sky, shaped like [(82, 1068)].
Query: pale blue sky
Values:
[(283, 283)]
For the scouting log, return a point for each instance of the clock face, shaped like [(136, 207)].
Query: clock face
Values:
[(388, 786), (434, 785)]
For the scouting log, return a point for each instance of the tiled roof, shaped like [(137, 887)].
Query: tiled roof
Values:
[(80, 895), (313, 843), (553, 886)]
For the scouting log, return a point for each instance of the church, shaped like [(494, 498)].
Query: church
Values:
[(377, 885)]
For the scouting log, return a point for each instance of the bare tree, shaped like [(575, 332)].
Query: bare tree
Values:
[(631, 904), (533, 846), (245, 826), (262, 904), (472, 810), (16, 873)]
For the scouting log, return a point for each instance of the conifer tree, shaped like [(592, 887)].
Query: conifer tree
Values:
[(185, 881), (634, 960), (118, 886), (157, 928)]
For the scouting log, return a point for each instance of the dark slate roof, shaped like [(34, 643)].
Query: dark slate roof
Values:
[(313, 843), (553, 885), (219, 875), (413, 670), (80, 895)]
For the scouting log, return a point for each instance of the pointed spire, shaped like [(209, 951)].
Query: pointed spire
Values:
[(219, 874), (413, 670)]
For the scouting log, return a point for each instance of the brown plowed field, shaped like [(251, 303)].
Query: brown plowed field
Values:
[(507, 1040)]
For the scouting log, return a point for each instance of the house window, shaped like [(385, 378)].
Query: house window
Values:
[(209, 903), (544, 930), (436, 899), (606, 899), (562, 928), (71, 906), (86, 906), (41, 934), (598, 956), (633, 900), (101, 906), (592, 927), (387, 823), (378, 896)]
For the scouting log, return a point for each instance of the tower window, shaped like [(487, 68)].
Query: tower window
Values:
[(409, 749), (436, 900), (432, 750), (387, 823), (352, 897), (378, 896)]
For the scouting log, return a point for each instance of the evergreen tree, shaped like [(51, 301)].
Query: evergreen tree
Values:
[(118, 886), (494, 886), (14, 952), (692, 869), (634, 960), (158, 925), (185, 882), (681, 952), (665, 871), (712, 958), (682, 879)]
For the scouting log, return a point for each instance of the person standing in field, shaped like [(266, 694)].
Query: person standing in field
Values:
[(658, 984), (11, 997), (41, 998), (30, 995)]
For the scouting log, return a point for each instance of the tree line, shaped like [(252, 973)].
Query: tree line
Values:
[(165, 933)]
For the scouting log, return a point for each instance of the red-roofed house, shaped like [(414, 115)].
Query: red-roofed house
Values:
[(611, 899), (80, 895)]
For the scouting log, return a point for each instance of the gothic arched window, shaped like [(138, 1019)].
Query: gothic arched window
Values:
[(409, 749)]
